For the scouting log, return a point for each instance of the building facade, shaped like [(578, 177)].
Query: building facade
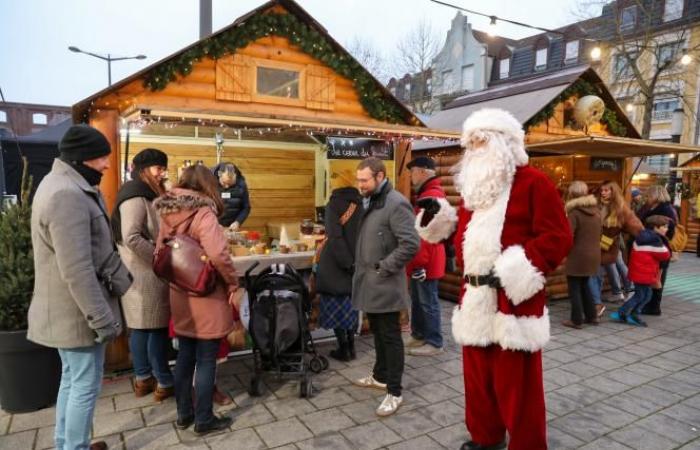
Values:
[(28, 118)]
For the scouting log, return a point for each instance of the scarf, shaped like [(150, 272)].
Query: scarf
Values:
[(132, 189), (92, 176)]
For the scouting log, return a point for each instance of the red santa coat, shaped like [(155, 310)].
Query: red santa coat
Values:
[(430, 256), (523, 236)]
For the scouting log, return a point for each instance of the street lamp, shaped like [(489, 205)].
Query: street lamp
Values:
[(107, 58), (676, 132)]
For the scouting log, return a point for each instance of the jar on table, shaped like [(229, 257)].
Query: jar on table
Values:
[(306, 227)]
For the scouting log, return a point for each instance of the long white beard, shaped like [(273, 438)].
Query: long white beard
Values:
[(482, 175)]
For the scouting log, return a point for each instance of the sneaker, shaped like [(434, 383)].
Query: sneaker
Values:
[(632, 320), (369, 382), (183, 424), (618, 316), (411, 342), (216, 424), (425, 350), (389, 405), (599, 310)]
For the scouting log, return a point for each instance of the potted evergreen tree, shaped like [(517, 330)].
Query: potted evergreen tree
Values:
[(29, 373)]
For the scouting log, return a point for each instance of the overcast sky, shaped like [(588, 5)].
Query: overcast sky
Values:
[(36, 67)]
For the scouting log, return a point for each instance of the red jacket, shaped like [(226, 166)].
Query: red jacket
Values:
[(648, 251), (430, 257)]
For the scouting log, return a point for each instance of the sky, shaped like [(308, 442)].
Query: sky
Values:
[(36, 66)]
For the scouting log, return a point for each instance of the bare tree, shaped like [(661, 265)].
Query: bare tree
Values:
[(369, 56), (414, 55)]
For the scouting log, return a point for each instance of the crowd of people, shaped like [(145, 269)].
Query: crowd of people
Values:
[(383, 254)]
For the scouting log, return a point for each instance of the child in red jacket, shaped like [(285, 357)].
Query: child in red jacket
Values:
[(650, 248)]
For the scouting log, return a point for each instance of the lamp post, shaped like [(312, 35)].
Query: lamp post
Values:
[(109, 58), (676, 132)]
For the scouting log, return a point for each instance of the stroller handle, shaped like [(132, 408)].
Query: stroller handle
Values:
[(249, 271)]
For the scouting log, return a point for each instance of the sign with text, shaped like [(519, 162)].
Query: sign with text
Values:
[(358, 148), (606, 164)]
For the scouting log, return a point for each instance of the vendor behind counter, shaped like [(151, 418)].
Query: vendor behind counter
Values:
[(234, 194)]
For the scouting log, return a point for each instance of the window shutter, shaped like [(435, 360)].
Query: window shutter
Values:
[(234, 78), (320, 88)]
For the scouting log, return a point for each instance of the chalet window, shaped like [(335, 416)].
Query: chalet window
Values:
[(663, 109), (541, 59), (39, 119), (468, 78), (628, 18), (571, 55), (503, 68), (3, 117), (673, 10), (277, 82)]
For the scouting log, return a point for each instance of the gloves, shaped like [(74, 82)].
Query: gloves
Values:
[(106, 334), (429, 204), (419, 275)]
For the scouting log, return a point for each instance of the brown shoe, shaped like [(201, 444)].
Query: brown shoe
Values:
[(144, 387), (161, 393), (99, 445), (220, 398), (570, 324)]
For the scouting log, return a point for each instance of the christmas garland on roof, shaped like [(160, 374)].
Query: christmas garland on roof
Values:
[(372, 97), (580, 88)]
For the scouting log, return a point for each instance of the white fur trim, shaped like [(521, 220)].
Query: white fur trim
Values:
[(441, 226), (529, 333), (499, 120), (519, 278)]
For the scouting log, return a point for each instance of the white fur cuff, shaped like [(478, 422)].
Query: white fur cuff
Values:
[(441, 226), (519, 278)]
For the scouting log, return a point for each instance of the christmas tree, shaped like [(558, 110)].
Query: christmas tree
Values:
[(16, 260)]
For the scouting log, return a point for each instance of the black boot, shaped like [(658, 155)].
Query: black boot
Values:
[(341, 353), (351, 344), (471, 445)]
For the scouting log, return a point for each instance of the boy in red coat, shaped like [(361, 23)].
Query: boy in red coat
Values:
[(649, 250)]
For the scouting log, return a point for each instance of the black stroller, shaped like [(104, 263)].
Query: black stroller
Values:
[(279, 315)]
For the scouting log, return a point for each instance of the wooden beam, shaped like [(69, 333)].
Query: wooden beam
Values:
[(107, 121)]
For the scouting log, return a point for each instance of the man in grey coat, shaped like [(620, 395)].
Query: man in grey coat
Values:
[(78, 279), (387, 242)]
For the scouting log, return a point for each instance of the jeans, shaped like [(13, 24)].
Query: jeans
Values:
[(641, 297), (581, 300), (623, 273), (199, 353), (595, 286), (149, 351), (388, 345), (81, 382), (425, 312), (654, 305)]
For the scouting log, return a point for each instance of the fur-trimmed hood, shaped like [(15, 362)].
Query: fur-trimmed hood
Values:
[(587, 204), (182, 200)]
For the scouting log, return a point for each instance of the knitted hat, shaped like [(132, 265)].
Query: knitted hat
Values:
[(491, 119), (422, 161), (150, 157), (83, 143)]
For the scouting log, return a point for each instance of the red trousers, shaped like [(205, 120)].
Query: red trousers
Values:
[(504, 391)]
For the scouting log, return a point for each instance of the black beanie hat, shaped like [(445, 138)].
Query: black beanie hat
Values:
[(150, 157), (83, 143)]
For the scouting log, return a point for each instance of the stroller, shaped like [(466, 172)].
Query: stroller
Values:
[(279, 315)]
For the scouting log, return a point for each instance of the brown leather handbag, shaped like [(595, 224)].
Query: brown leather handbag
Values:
[(181, 260)]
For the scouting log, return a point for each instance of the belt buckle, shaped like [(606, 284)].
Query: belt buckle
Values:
[(477, 281)]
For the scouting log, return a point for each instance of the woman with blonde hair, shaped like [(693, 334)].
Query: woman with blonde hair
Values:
[(584, 258), (617, 217)]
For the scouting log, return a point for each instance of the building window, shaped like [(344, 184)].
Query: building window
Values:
[(393, 91), (622, 67), (407, 88), (503, 68), (667, 52), (3, 117), (39, 119), (541, 59), (468, 78), (429, 86), (571, 54), (673, 10), (628, 18), (277, 82), (659, 163), (447, 81), (663, 109)]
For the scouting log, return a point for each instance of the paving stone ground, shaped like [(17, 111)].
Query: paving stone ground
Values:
[(607, 387)]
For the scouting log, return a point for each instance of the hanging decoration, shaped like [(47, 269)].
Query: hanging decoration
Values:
[(579, 89), (377, 104)]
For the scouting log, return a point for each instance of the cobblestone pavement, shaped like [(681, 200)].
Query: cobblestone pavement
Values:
[(608, 387)]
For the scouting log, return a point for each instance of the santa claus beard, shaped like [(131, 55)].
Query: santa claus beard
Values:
[(484, 174)]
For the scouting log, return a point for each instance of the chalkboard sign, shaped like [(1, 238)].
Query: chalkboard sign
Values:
[(606, 164), (357, 148)]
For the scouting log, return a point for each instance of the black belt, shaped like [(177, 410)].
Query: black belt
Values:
[(490, 280)]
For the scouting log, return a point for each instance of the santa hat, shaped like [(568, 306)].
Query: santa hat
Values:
[(499, 120)]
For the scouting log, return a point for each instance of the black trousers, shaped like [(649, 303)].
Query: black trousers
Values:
[(581, 300), (388, 345), (654, 305)]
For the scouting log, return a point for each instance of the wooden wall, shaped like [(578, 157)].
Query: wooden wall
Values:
[(281, 181)]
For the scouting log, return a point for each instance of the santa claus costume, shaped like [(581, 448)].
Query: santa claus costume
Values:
[(511, 230)]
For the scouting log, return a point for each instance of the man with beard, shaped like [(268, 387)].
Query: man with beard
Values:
[(511, 231), (386, 243)]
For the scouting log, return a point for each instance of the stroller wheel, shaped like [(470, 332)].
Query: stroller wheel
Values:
[(316, 364), (305, 387), (255, 388), (324, 362)]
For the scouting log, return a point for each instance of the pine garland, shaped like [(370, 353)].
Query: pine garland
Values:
[(579, 89), (372, 97)]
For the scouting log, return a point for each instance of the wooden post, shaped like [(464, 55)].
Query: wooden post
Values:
[(403, 176), (107, 121)]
